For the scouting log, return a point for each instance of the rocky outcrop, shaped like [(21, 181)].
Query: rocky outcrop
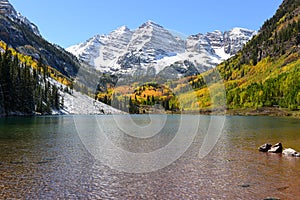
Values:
[(22, 36), (6, 9), (235, 39), (290, 152), (151, 36), (265, 147), (277, 148)]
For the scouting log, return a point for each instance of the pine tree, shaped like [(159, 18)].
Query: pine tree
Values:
[(24, 89)]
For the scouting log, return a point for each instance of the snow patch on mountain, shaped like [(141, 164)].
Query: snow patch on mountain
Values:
[(80, 104), (221, 53), (76, 103)]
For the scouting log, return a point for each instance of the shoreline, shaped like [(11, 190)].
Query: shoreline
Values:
[(265, 111)]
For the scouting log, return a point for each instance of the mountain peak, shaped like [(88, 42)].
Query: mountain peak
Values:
[(152, 48), (239, 31), (150, 23), (8, 11), (122, 29)]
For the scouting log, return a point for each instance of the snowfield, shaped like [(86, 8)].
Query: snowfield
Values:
[(80, 104), (76, 103)]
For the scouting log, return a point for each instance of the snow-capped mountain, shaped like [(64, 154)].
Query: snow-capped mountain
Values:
[(236, 38), (151, 36), (151, 49), (8, 10)]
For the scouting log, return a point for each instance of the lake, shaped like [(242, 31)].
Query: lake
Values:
[(147, 157)]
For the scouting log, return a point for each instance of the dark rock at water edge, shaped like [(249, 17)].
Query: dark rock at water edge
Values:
[(265, 148), (277, 148)]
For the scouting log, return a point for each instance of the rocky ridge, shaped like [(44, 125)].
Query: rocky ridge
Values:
[(152, 49), (8, 10)]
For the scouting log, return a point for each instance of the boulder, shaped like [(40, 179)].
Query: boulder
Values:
[(277, 148), (290, 152), (265, 148)]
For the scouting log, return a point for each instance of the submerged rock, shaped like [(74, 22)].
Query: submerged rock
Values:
[(265, 148), (17, 162), (277, 148), (245, 185), (42, 162)]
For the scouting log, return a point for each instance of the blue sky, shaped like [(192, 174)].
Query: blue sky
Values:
[(68, 22)]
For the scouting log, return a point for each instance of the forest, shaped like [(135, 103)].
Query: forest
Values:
[(25, 90)]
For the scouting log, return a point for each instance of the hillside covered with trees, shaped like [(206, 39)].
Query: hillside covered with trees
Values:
[(265, 73), (25, 87)]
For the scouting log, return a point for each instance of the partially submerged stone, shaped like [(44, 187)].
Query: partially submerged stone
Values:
[(277, 148), (265, 147), (290, 152)]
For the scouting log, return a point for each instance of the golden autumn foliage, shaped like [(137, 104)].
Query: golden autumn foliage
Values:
[(31, 62)]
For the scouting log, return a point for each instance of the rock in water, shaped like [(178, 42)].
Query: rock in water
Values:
[(277, 148), (290, 152), (265, 148)]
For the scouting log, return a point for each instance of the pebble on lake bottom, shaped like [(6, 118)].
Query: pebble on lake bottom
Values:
[(245, 185)]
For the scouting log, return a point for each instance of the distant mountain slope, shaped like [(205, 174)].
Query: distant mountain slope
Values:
[(265, 73), (151, 49)]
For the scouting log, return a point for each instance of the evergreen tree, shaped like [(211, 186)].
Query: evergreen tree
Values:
[(24, 89)]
